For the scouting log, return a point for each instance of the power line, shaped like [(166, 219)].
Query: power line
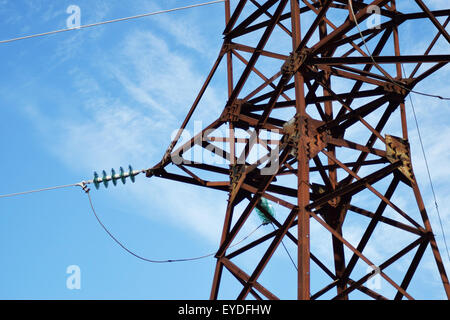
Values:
[(152, 260), (287, 251), (415, 118), (83, 184), (111, 21), (379, 67), (40, 190), (428, 172)]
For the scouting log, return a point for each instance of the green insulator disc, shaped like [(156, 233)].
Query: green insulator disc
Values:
[(96, 183), (122, 175), (105, 182), (113, 177), (131, 174)]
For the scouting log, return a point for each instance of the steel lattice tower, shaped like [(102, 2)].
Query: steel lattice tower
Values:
[(341, 117)]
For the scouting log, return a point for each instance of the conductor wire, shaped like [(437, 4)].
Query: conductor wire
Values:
[(153, 260), (111, 21)]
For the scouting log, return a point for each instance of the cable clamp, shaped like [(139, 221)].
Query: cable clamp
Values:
[(84, 186)]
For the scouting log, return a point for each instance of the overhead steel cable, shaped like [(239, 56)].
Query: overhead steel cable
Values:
[(415, 117), (419, 134), (40, 190), (111, 21), (84, 186), (287, 251), (153, 260), (350, 3)]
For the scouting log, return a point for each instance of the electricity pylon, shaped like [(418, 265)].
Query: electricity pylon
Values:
[(330, 117)]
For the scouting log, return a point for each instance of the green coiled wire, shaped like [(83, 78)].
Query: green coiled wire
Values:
[(264, 208)]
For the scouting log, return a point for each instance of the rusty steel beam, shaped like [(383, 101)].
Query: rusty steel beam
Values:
[(384, 265), (379, 59), (433, 19)]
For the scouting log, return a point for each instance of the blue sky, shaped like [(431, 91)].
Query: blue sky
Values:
[(110, 96)]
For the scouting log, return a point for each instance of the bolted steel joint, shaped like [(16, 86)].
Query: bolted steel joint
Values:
[(232, 112), (294, 62)]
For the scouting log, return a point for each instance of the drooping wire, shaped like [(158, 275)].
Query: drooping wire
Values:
[(152, 260), (83, 185), (350, 2), (285, 249), (111, 21), (414, 113), (419, 134)]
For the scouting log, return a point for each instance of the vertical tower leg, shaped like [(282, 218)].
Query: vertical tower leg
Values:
[(219, 264), (303, 169), (228, 214), (417, 193)]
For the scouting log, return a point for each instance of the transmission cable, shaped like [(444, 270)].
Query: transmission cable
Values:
[(152, 260), (287, 251), (428, 171), (111, 21), (40, 190), (380, 68), (415, 118), (83, 185)]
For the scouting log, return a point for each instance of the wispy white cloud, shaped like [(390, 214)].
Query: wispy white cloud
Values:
[(157, 86)]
